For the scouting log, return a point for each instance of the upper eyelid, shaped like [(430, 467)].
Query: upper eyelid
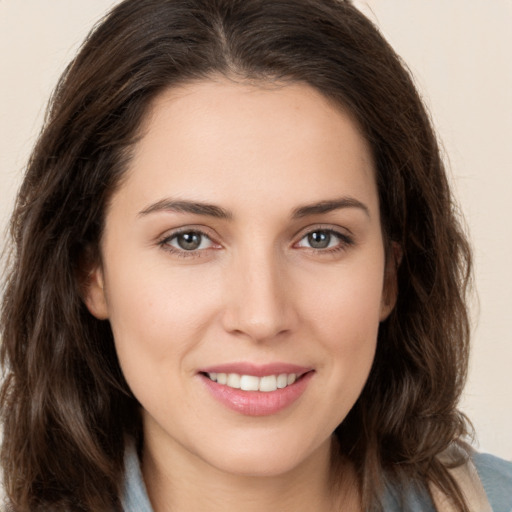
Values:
[(171, 233), (178, 233), (337, 230)]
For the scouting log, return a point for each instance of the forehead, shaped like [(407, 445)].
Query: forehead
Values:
[(220, 137)]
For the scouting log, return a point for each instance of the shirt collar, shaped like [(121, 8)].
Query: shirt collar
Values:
[(135, 496)]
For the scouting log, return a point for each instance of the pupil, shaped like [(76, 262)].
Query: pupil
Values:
[(189, 241), (319, 239)]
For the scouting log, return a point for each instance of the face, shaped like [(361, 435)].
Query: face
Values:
[(243, 274)]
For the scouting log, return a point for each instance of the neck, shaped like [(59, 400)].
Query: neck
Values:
[(175, 483)]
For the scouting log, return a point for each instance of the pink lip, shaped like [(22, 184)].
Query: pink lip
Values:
[(243, 368), (257, 403)]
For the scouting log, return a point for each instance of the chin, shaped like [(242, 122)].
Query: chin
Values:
[(257, 466), (266, 459)]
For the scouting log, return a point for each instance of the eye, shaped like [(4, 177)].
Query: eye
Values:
[(189, 241), (324, 239)]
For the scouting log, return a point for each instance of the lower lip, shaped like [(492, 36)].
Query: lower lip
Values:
[(258, 403)]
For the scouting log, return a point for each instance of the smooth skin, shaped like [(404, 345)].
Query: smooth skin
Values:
[(285, 263)]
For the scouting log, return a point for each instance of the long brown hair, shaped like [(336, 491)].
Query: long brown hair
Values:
[(66, 408)]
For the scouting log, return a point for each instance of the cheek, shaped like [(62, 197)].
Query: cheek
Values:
[(157, 316), (344, 315), (158, 322), (346, 304)]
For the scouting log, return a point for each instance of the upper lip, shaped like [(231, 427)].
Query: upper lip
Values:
[(258, 370)]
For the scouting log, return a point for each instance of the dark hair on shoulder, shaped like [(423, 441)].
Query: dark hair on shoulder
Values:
[(65, 406)]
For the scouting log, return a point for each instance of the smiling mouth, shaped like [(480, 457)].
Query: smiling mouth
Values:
[(266, 384), (263, 394)]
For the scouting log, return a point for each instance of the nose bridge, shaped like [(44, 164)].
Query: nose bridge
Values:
[(258, 304)]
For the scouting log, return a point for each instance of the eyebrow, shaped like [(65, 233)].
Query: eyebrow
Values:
[(329, 206), (211, 210), (195, 207)]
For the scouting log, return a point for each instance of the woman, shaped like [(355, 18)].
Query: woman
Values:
[(237, 269)]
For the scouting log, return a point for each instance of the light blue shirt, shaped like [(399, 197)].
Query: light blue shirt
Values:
[(495, 473)]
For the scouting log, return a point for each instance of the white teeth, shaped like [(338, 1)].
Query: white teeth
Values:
[(233, 380), (282, 380), (252, 383), (249, 383), (268, 383)]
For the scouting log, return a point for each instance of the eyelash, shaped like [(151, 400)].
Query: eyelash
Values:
[(344, 243), (164, 243)]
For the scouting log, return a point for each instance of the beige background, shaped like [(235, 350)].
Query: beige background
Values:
[(460, 52)]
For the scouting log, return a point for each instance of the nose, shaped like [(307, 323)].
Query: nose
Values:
[(259, 301)]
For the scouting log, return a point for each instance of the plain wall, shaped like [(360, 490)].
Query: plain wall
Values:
[(460, 52)]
